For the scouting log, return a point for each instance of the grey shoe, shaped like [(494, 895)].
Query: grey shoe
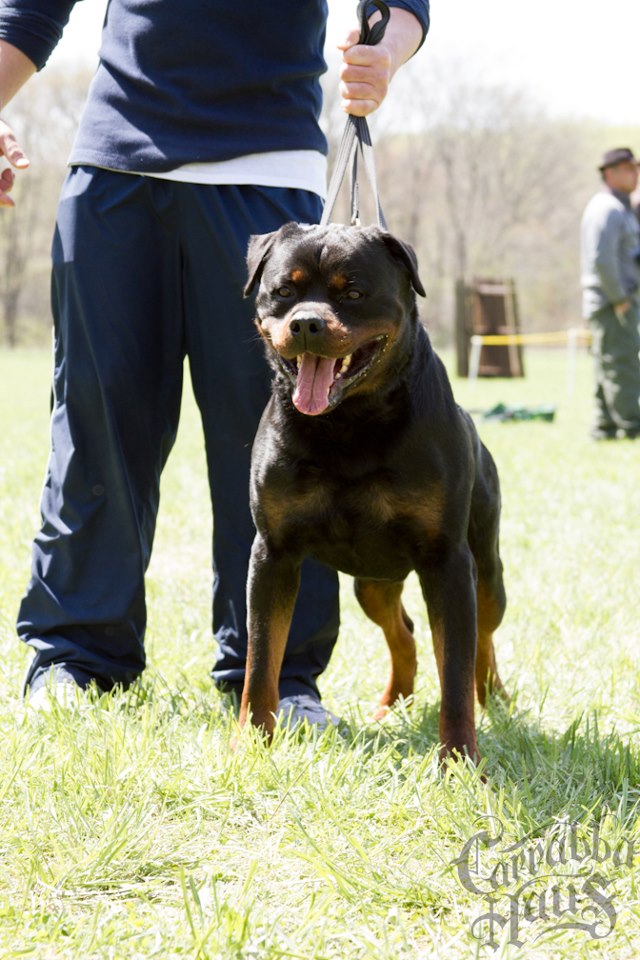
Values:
[(64, 693), (296, 709)]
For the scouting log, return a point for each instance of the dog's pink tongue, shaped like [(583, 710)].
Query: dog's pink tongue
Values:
[(315, 377)]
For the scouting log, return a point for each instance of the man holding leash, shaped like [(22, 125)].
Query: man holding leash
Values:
[(200, 129), (610, 282)]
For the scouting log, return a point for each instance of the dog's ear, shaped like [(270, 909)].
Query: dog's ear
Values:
[(257, 252), (407, 256)]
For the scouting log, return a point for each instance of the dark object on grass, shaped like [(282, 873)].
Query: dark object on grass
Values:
[(503, 412)]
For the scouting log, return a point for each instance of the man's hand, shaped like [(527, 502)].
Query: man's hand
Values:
[(365, 75), (10, 149), (621, 308), (15, 70), (367, 70)]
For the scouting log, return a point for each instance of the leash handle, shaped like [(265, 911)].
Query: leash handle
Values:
[(356, 139), (370, 35)]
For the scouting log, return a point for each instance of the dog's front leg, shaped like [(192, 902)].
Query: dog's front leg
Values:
[(272, 589), (449, 588)]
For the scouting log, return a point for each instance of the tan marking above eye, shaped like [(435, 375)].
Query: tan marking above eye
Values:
[(338, 281), (298, 275)]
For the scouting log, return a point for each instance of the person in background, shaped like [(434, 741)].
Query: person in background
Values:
[(200, 129), (635, 203), (610, 248)]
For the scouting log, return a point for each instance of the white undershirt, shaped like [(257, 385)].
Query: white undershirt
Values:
[(297, 169)]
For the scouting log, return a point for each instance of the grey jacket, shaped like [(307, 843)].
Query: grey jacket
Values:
[(610, 245)]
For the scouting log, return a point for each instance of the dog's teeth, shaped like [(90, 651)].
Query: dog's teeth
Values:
[(298, 360), (346, 363)]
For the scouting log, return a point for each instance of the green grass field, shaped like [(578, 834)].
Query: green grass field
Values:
[(128, 829)]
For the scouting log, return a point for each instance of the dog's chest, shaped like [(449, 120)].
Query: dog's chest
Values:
[(365, 535), (372, 525)]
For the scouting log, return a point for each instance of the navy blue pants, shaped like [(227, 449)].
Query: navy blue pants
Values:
[(146, 272)]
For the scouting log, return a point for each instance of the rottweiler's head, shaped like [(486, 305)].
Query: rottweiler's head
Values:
[(333, 303)]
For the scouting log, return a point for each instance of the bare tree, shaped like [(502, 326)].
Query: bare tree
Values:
[(44, 117), (17, 227), (483, 182)]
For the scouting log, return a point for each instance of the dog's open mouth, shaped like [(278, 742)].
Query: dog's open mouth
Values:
[(319, 382)]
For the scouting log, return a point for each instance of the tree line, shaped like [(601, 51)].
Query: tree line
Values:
[(479, 179)]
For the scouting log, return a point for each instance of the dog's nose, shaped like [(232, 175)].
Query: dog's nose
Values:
[(304, 325)]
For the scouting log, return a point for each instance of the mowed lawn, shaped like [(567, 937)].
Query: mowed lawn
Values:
[(129, 829)]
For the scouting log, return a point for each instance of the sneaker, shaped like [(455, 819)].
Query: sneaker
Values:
[(303, 706), (64, 693)]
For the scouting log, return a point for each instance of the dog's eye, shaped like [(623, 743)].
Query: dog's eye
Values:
[(353, 295), (284, 291)]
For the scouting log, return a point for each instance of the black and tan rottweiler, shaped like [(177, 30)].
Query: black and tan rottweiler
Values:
[(364, 461)]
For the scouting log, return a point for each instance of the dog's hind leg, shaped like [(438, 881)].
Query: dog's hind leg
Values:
[(381, 601), (491, 606), (484, 537)]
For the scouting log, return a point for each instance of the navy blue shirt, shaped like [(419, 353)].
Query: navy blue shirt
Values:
[(181, 81)]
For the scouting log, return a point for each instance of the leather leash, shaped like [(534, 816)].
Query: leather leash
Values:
[(356, 139)]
